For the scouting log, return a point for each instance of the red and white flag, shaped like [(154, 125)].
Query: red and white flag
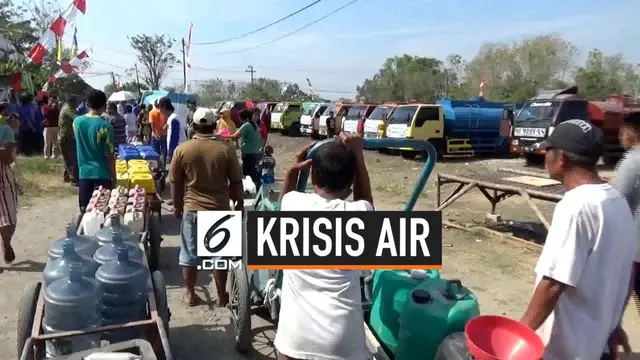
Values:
[(188, 48), (78, 64), (56, 30), (187, 57), (482, 87), (310, 89)]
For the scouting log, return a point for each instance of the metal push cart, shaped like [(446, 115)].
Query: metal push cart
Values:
[(30, 335), (249, 288)]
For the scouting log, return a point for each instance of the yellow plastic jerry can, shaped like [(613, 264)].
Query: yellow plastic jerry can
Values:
[(144, 180), (123, 179)]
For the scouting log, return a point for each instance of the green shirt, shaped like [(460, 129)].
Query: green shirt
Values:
[(65, 123), (250, 142), (94, 142)]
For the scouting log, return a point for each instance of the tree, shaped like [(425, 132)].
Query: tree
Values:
[(15, 27), (604, 75), (292, 92), (404, 78), (43, 14), (455, 77), (154, 54), (128, 86)]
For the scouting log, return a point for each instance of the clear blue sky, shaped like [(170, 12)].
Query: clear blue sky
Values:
[(340, 52)]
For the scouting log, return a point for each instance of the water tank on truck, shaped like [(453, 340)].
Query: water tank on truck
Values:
[(473, 126), (538, 117)]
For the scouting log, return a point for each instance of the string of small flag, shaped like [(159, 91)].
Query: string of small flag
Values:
[(78, 64), (54, 33)]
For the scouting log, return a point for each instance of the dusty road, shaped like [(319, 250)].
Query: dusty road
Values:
[(499, 272)]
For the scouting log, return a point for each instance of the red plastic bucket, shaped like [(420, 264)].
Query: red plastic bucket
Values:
[(500, 338)]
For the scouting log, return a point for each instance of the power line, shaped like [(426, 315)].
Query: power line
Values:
[(259, 29), (290, 33)]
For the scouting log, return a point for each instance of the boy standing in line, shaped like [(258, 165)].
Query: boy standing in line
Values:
[(95, 147)]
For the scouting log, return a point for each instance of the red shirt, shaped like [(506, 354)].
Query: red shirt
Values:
[(50, 115), (264, 132)]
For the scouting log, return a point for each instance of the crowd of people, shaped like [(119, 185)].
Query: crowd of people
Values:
[(584, 276)]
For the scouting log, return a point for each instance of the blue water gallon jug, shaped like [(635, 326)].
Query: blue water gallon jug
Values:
[(83, 245), (435, 310), (109, 252), (145, 148), (72, 303), (152, 157), (104, 236), (126, 148), (130, 155), (60, 267), (390, 293), (124, 293)]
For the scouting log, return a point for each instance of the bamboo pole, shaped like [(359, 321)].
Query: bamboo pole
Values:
[(540, 195), (524, 172), (455, 197)]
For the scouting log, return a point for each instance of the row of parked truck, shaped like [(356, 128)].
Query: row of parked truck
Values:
[(453, 126), (459, 127)]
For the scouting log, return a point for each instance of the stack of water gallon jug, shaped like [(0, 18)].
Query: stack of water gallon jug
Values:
[(135, 166), (416, 314), (91, 282), (128, 205)]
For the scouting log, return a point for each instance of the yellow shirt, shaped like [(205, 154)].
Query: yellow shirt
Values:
[(222, 124), (229, 125)]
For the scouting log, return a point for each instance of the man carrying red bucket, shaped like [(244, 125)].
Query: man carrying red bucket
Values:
[(584, 272)]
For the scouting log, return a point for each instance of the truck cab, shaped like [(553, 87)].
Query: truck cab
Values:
[(356, 116), (417, 122), (375, 125), (339, 112), (310, 119), (538, 117), (286, 117)]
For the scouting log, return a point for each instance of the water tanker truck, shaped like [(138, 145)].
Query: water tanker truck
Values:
[(454, 127), (538, 117)]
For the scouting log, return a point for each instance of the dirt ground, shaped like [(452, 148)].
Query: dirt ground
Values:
[(500, 272)]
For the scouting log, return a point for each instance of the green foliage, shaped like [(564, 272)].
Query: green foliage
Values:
[(404, 78), (16, 27), (263, 89), (22, 26), (604, 75), (131, 86), (154, 54), (512, 72)]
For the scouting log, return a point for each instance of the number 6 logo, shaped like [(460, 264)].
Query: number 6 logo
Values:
[(215, 230)]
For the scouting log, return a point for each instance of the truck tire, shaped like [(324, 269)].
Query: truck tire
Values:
[(294, 130), (409, 154), (533, 160)]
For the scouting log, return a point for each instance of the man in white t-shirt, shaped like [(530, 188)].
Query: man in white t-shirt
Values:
[(321, 310), (584, 271)]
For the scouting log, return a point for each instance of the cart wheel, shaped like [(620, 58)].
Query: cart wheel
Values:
[(26, 315), (162, 304), (240, 307), (154, 239)]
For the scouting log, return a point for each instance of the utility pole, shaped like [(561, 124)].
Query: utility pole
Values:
[(113, 80), (251, 71), (184, 66), (135, 66)]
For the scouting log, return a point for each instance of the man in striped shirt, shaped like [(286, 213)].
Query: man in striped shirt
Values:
[(627, 179), (117, 121)]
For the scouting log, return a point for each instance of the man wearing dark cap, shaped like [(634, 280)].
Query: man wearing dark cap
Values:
[(584, 271), (205, 175)]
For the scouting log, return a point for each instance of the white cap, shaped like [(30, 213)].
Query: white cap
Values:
[(204, 116)]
